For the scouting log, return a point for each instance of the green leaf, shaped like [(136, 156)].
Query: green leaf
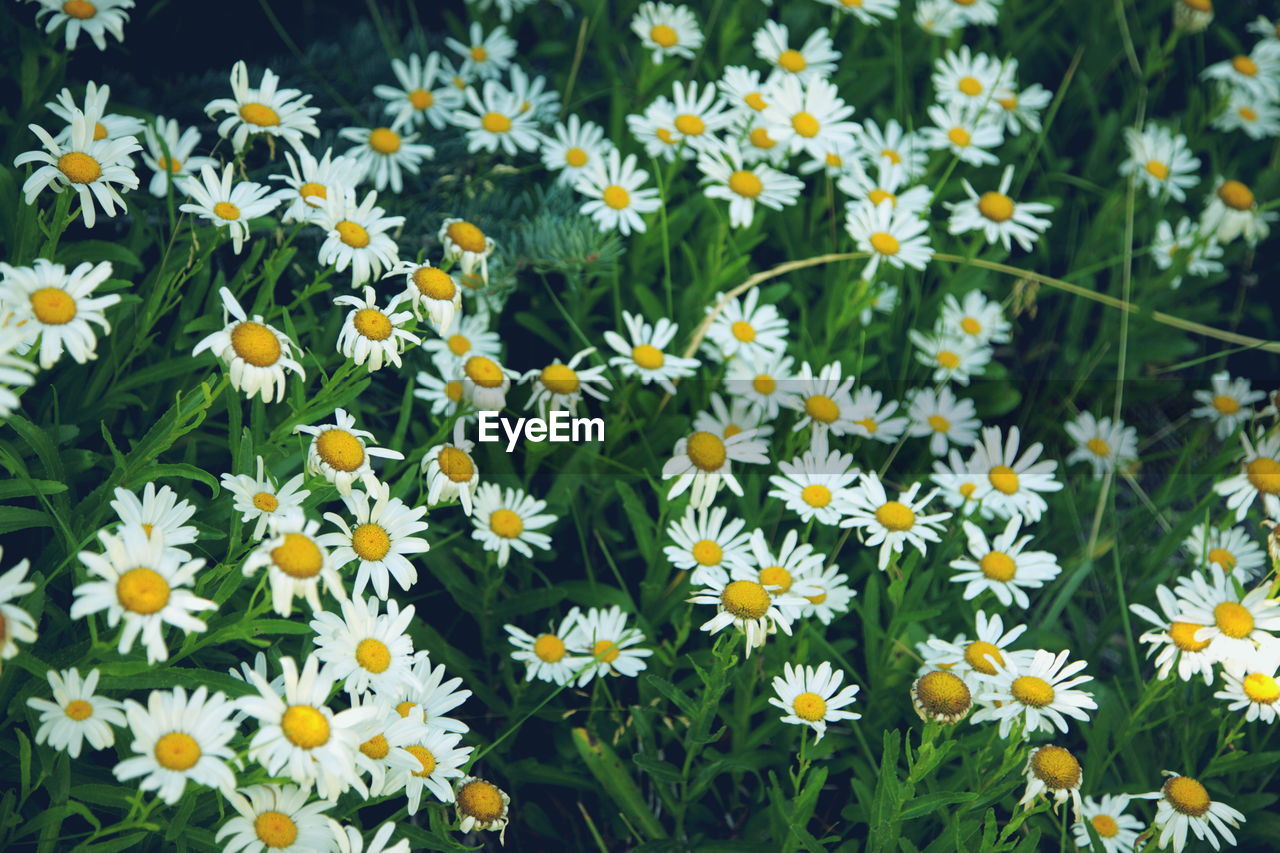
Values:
[(609, 771)]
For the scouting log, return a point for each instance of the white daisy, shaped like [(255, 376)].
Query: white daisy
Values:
[(494, 117), (1258, 476), (969, 79), (1104, 445), (873, 420), (431, 289), (482, 806), (179, 738), (169, 154), (257, 355), (546, 657), (385, 155), (998, 216), (889, 184), (1173, 640), (229, 206), (890, 235), (440, 759), (339, 453), (644, 356), (828, 595), (698, 116), (560, 387), (1233, 212), (1052, 771), (784, 572), (1002, 566), (310, 180), (159, 515), (572, 147), (824, 400), (1185, 247), (484, 56), (750, 607), (707, 545), (815, 484), (700, 462), (383, 531), (1040, 695), (424, 95), (1258, 118), (603, 638), (868, 12), (296, 564), (1227, 404), (357, 235), (268, 109), (976, 318), (812, 696), (506, 520), (428, 694), (485, 383), (762, 381), (807, 116), (1249, 684), (1257, 74), (1233, 548), (1117, 831), (1163, 163), (616, 195), (95, 19), (58, 307), (816, 58), (261, 501), (76, 714), (451, 471), (667, 30), (1234, 624), (892, 523), (951, 357), (1014, 482), (372, 334), (968, 134), (942, 416), (726, 177), (365, 650), (275, 819), (466, 244), (1185, 806), (901, 147), (979, 657)]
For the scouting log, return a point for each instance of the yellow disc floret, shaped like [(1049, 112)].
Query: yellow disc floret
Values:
[(298, 556), (373, 655), (177, 751), (1056, 767), (745, 599), (1186, 795), (706, 451), (275, 829), (142, 591), (370, 542), (340, 450), (79, 168), (1032, 690), (895, 516), (809, 707), (53, 306), (305, 726)]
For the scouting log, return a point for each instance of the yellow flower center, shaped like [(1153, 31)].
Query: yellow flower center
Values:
[(821, 408), (606, 651), (833, 160), (1245, 66), (1157, 169), (665, 135), (298, 556), (869, 424), (1226, 405), (983, 656), (745, 183), (1032, 690), (763, 383), (690, 125), (969, 86), (434, 283), (479, 53), (998, 566), (967, 490), (372, 324), (480, 799), (53, 306), (495, 123), (943, 693), (1233, 619), (560, 379), (404, 708), (1056, 767), (1009, 103), (1247, 114), (79, 168), (793, 61), (576, 157), (549, 648), (878, 195), (467, 237), (745, 599), (707, 552), (777, 577), (895, 516), (384, 140), (373, 655), (226, 210), (885, 243), (266, 502), (1264, 474), (939, 423), (1183, 635), (810, 707), (370, 542), (1098, 447), (1003, 479), (959, 137), (1105, 825), (1222, 557), (1203, 6), (275, 829), (816, 495), (616, 197), (340, 450), (81, 9), (259, 114), (421, 99), (255, 343), (805, 124), (756, 101), (997, 207), (352, 233), (305, 726), (1236, 195), (77, 709), (760, 139), (1186, 795), (169, 164), (483, 371), (1260, 688), (894, 156), (453, 390), (947, 359), (455, 464), (177, 751), (506, 523), (816, 599), (459, 344), (647, 356), (706, 451), (425, 758), (142, 591), (743, 331)]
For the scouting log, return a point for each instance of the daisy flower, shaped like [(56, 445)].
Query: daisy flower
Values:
[(485, 383), (97, 169), (158, 515), (874, 421), (700, 462), (824, 400), (497, 119), (785, 572), (761, 380), (729, 420), (1233, 549), (533, 95), (428, 694), (1258, 118), (546, 657), (708, 545), (1161, 161), (892, 142), (310, 180), (215, 199), (179, 738), (365, 650), (140, 582), (1103, 444), (969, 80), (1019, 109), (384, 530), (892, 523), (941, 696), (968, 134), (828, 595), (1184, 246), (812, 696), (506, 520), (431, 289), (1014, 482), (374, 334), (742, 90), (896, 237), (998, 216), (655, 129), (643, 355), (572, 147), (257, 355), (889, 184), (1233, 212), (1002, 566), (385, 154), (815, 484), (816, 58), (744, 186), (76, 714), (958, 484), (483, 56), (698, 116), (482, 806), (441, 396), (261, 501), (1227, 404), (744, 327), (1249, 684), (424, 94), (667, 30), (339, 453), (560, 387), (1234, 625), (941, 18), (299, 736), (952, 357), (808, 116), (943, 417), (884, 298), (268, 109), (1052, 771), (1040, 694), (750, 607), (607, 645), (296, 564), (980, 12), (440, 759), (58, 308), (972, 660), (169, 154), (1193, 16), (1257, 74), (1186, 807), (1258, 477), (464, 243), (275, 819), (1118, 831), (386, 756), (616, 195), (95, 19), (451, 471), (867, 12)]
